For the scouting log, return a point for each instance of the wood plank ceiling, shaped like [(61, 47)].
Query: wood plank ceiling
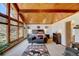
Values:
[(46, 13)]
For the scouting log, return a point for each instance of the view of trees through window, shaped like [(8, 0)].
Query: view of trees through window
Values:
[(13, 33), (3, 35), (3, 27), (13, 12), (21, 28), (13, 30), (15, 27)]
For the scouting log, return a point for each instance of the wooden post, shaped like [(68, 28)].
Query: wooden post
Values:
[(18, 23), (68, 34), (8, 4)]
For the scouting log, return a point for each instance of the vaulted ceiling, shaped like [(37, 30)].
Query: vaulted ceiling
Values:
[(46, 13)]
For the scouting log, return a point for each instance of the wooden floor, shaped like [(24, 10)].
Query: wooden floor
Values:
[(54, 49)]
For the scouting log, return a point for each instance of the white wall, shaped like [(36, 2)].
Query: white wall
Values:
[(34, 27), (60, 26)]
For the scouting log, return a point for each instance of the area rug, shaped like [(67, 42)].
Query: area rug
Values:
[(36, 50)]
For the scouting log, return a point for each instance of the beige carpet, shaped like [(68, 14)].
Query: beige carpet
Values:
[(54, 49)]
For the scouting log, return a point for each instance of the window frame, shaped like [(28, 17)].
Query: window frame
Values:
[(9, 18), (3, 15), (16, 20), (2, 23)]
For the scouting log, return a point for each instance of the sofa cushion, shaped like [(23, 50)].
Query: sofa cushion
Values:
[(71, 52)]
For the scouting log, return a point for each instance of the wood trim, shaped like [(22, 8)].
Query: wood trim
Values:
[(13, 25), (22, 17), (16, 6), (39, 23), (2, 15), (8, 22), (23, 30), (16, 40), (16, 20), (47, 11), (13, 19), (3, 23), (18, 24)]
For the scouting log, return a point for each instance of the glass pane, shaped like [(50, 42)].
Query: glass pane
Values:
[(25, 32), (13, 33), (3, 8), (2, 19), (13, 12), (20, 32), (3, 35), (13, 22)]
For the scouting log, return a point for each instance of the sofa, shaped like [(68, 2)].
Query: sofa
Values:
[(71, 52), (34, 39)]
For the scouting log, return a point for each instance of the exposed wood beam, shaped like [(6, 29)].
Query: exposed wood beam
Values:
[(21, 16), (43, 23), (24, 20), (16, 6), (47, 11)]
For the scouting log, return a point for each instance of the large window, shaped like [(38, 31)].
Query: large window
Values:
[(13, 23), (3, 26), (13, 12), (3, 8), (13, 30), (3, 33)]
